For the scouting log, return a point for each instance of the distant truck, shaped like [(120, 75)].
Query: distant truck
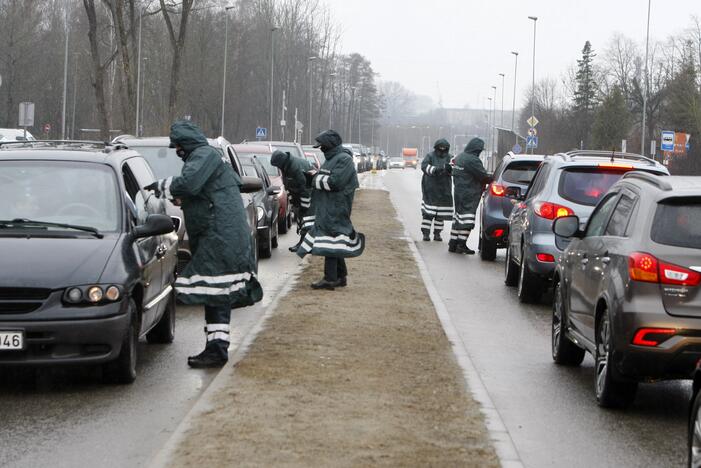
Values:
[(411, 157)]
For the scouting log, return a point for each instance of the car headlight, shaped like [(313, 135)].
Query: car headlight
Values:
[(92, 294), (260, 213)]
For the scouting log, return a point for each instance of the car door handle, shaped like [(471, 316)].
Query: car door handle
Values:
[(161, 251), (605, 260)]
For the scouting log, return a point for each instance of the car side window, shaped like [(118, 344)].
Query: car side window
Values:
[(621, 217), (135, 194), (234, 162), (601, 215), (538, 181), (141, 171)]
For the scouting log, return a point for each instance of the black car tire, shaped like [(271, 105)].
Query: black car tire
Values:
[(123, 369), (488, 248), (563, 350), (510, 270), (282, 224), (611, 392), (530, 287), (694, 435), (265, 245), (164, 331)]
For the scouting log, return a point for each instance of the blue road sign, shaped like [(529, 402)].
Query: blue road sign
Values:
[(532, 142), (261, 132), (667, 141), (516, 149)]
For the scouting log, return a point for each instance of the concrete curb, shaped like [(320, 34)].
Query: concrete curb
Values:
[(205, 402)]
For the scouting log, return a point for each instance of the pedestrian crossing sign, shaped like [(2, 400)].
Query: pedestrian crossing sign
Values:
[(261, 132)]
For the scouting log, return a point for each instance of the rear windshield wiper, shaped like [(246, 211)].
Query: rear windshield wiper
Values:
[(28, 223)]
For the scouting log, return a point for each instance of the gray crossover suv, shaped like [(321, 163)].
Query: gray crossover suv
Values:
[(627, 288), (566, 184)]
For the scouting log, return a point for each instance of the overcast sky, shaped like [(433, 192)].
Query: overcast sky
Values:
[(462, 45)]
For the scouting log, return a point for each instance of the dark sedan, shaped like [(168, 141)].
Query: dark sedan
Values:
[(88, 257)]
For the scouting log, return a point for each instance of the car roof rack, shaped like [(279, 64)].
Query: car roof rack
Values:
[(657, 181), (610, 154), (103, 146)]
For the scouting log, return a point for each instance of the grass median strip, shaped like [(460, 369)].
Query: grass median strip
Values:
[(362, 375)]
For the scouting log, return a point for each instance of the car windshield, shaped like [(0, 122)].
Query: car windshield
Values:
[(395, 159), (678, 223), (264, 159), (586, 186), (521, 172), (163, 160), (292, 150), (82, 194), (249, 170)]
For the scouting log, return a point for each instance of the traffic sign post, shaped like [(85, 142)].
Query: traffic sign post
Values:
[(667, 141), (516, 149), (26, 116), (532, 121), (261, 133), (531, 142)]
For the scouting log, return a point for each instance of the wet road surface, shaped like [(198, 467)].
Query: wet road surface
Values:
[(68, 418), (550, 411)]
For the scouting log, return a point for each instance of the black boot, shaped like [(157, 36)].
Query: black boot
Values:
[(427, 234), (214, 355), (464, 249), (452, 245), (437, 236), (325, 284), (342, 281)]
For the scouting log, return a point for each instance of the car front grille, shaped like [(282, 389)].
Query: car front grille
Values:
[(22, 300)]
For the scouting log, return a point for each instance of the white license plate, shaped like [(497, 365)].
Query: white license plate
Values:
[(11, 340)]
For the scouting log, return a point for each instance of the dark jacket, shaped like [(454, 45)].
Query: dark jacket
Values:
[(469, 177), (334, 187), (222, 269), (436, 184), (293, 170)]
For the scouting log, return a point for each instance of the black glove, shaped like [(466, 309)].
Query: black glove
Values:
[(309, 176), (440, 170), (154, 188), (448, 169)]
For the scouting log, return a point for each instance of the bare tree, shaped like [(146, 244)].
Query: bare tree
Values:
[(177, 43)]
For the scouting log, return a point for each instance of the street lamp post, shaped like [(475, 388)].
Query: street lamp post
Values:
[(350, 112), (513, 109), (75, 92), (360, 103), (138, 78), (310, 62), (226, 47), (489, 125), (647, 80), (65, 82), (503, 78), (272, 76), (494, 120), (535, 22), (332, 107)]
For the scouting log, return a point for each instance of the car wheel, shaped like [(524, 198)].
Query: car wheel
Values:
[(274, 229), (694, 436), (164, 331), (510, 269), (610, 391), (283, 224), (563, 350), (529, 285), (289, 220), (123, 369), (488, 248), (265, 245)]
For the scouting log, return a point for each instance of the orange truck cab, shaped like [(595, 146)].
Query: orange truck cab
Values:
[(411, 157)]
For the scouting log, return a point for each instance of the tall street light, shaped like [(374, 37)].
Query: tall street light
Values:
[(503, 78), (272, 76), (494, 125), (226, 47), (310, 62), (138, 78), (489, 124), (65, 83), (513, 109), (535, 22), (647, 80)]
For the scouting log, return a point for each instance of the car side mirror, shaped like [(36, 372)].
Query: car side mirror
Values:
[(567, 226), (274, 190), (251, 184), (513, 192), (177, 222), (155, 225)]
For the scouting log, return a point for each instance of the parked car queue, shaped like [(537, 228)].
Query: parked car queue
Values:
[(618, 241), (95, 256)]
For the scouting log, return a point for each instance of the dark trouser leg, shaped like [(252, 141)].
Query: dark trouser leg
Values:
[(342, 269), (437, 229), (331, 266), (217, 328), (426, 226)]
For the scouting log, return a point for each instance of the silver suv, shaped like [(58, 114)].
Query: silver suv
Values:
[(566, 184)]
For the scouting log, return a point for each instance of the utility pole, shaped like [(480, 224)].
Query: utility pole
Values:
[(65, 82), (310, 62), (503, 78), (138, 78), (513, 109), (647, 79), (75, 92), (535, 22), (226, 46), (283, 122), (272, 76), (494, 120)]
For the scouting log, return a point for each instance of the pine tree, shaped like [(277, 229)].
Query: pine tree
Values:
[(612, 121), (585, 94)]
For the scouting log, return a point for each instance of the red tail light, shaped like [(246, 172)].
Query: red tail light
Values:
[(551, 210), (497, 190), (616, 166), (545, 258), (498, 233), (645, 267), (652, 336)]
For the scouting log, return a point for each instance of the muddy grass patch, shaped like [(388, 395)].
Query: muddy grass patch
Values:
[(358, 376)]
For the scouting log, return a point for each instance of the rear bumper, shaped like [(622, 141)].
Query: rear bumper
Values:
[(493, 220), (542, 243), (89, 341)]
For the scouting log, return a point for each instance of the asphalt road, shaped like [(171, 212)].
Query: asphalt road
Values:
[(67, 418), (550, 411)]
